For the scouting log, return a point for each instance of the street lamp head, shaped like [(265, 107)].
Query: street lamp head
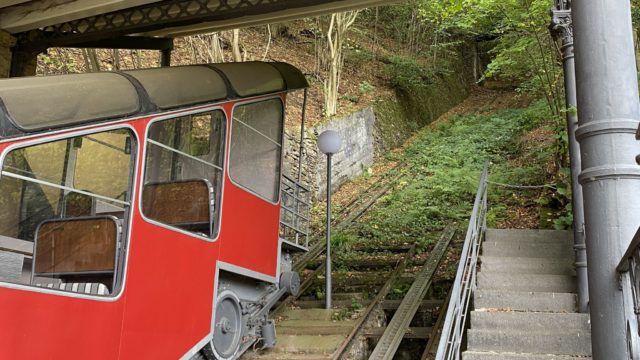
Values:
[(329, 142)]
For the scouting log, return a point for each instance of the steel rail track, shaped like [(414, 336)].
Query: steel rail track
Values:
[(318, 249), (409, 306), (394, 333)]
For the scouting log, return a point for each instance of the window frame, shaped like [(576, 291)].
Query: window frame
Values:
[(217, 217), (125, 236), (280, 172)]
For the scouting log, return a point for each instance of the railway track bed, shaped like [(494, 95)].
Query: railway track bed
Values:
[(375, 299)]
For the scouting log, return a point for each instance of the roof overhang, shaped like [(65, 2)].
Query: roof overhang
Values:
[(46, 23)]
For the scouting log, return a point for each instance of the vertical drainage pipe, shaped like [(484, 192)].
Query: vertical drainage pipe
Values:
[(562, 29), (609, 113)]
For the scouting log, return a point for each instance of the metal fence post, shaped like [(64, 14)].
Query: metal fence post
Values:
[(562, 29), (608, 110)]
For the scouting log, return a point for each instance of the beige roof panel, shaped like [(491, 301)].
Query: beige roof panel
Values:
[(42, 103), (179, 86), (254, 78), (52, 101)]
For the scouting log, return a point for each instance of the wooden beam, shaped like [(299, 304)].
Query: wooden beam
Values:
[(40, 13)]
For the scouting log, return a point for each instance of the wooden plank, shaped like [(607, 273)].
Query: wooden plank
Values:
[(437, 330)]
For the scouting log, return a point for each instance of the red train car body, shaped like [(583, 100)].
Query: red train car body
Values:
[(140, 212)]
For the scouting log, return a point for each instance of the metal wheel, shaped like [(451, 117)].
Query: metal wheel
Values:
[(227, 332)]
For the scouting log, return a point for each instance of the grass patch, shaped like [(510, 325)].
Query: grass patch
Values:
[(442, 173)]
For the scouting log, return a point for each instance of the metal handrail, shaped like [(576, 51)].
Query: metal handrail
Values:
[(294, 215), (465, 282), (629, 270)]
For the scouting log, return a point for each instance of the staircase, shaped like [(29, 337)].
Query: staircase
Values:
[(525, 302)]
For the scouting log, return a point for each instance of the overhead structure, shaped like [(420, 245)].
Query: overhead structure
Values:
[(46, 23)]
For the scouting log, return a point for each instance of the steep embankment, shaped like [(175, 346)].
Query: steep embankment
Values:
[(441, 165)]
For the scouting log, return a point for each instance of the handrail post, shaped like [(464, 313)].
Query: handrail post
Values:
[(608, 115), (562, 30)]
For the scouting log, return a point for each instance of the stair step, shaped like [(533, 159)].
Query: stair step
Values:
[(527, 265), (532, 235), (526, 282), (308, 344), (474, 355), (308, 314), (524, 300), (527, 249), (530, 321), (305, 327), (569, 342)]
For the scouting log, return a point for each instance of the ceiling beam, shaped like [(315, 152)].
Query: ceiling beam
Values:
[(40, 13), (129, 42), (7, 3), (270, 18), (177, 14)]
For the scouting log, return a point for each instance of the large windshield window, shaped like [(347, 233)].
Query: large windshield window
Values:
[(62, 211), (256, 147), (183, 172)]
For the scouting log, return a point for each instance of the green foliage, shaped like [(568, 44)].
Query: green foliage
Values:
[(365, 87), (406, 73), (524, 54), (351, 98), (443, 169)]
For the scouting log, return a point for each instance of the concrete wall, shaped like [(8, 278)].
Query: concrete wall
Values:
[(357, 153)]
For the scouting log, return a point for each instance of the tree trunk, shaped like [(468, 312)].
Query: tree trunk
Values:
[(235, 45), (338, 27)]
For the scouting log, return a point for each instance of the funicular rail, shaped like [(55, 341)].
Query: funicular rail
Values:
[(394, 333), (398, 328), (354, 209), (401, 261), (464, 285)]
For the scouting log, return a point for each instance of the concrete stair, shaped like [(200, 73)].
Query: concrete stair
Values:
[(305, 334), (525, 302)]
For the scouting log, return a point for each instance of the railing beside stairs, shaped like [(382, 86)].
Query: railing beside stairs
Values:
[(629, 271), (450, 345)]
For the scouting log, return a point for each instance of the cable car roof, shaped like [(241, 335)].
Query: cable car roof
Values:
[(35, 104)]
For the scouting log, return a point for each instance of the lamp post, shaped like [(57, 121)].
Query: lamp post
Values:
[(329, 143)]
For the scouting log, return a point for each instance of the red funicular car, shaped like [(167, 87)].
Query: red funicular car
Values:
[(144, 214)]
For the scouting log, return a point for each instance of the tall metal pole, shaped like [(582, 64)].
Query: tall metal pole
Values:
[(609, 113), (328, 270), (562, 29)]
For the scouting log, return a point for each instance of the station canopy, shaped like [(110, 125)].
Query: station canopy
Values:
[(40, 103), (41, 24)]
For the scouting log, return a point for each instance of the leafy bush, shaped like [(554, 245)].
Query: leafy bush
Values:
[(406, 73)]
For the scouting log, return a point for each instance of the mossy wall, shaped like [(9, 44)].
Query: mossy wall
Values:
[(417, 105)]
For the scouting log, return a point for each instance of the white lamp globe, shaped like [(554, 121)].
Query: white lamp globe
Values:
[(329, 142)]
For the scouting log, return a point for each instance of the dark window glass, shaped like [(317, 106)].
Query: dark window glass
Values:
[(183, 173), (256, 147), (63, 206)]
